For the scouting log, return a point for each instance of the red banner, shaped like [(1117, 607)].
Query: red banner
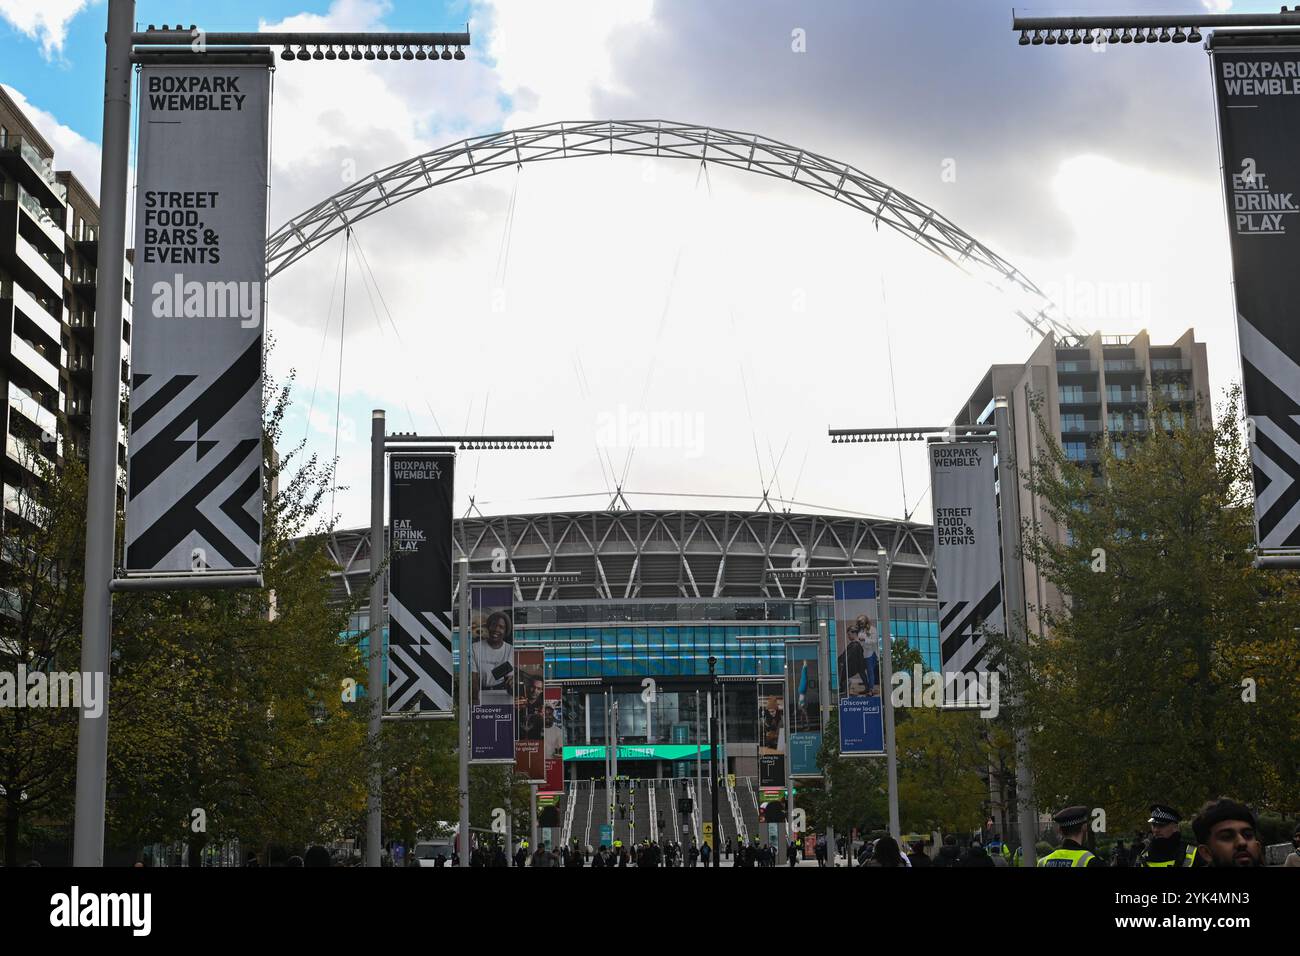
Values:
[(529, 716), (553, 739)]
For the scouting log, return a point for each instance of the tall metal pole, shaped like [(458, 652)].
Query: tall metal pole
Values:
[(375, 690), (1013, 581), (462, 723), (699, 751), (824, 685), (886, 685), (713, 772), (101, 494), (532, 818)]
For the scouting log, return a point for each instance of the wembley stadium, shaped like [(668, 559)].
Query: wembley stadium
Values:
[(656, 593)]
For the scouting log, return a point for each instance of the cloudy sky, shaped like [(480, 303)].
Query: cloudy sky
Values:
[(690, 334)]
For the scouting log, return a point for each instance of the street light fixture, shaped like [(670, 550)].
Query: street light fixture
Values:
[(1071, 31)]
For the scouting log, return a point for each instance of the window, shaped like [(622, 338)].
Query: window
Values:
[(1072, 423), (1071, 393), (1076, 451)]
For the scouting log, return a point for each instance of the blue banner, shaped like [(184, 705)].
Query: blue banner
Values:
[(857, 638), (803, 707), (861, 726)]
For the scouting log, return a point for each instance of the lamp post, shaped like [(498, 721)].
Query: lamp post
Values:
[(713, 758), (123, 47)]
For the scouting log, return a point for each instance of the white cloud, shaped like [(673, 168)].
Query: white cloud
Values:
[(551, 57), (46, 20), (1217, 6), (71, 150)]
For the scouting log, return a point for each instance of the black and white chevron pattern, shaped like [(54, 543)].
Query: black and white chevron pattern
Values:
[(962, 639), (1271, 380), (194, 492), (419, 659)]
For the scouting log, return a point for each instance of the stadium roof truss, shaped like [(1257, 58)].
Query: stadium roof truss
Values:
[(639, 555), (662, 139)]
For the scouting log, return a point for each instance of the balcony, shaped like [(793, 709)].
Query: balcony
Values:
[(40, 272), (28, 166), (1137, 426), (38, 215), (1170, 365), (1073, 366), (86, 239), (15, 296), (28, 455), (1126, 396), (1086, 456), (32, 410), (83, 280), (1080, 398), (24, 354), (1084, 427), (81, 369), (82, 323), (1123, 365), (1176, 395)]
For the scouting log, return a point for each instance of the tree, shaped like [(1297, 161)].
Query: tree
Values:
[(1143, 691), (229, 706), (41, 587)]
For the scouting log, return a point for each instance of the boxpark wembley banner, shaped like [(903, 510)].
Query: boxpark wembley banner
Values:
[(857, 634), (771, 734), (194, 473), (1258, 93), (803, 712), (967, 557), (419, 591), (492, 687)]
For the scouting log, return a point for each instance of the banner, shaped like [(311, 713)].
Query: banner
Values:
[(771, 734), (802, 707), (861, 714), (419, 589), (530, 715), (1258, 93), (194, 466), (553, 739), (967, 555), (772, 805), (492, 689)]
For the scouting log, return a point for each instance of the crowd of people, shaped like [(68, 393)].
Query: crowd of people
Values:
[(1224, 832)]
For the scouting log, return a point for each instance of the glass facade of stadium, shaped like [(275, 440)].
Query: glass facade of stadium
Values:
[(601, 649)]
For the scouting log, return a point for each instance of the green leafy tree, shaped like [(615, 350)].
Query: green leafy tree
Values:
[(41, 587), (1172, 672), (229, 712)]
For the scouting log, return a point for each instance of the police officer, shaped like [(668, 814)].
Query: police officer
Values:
[(1166, 846), (1073, 823)]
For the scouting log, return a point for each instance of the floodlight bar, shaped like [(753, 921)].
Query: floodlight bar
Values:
[(1062, 31), (505, 577), (309, 46), (821, 572), (472, 442), (920, 433)]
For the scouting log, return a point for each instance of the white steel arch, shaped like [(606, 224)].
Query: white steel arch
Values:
[(668, 140)]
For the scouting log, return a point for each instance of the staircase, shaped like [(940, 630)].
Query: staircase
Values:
[(577, 807), (738, 825), (748, 800), (640, 815)]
